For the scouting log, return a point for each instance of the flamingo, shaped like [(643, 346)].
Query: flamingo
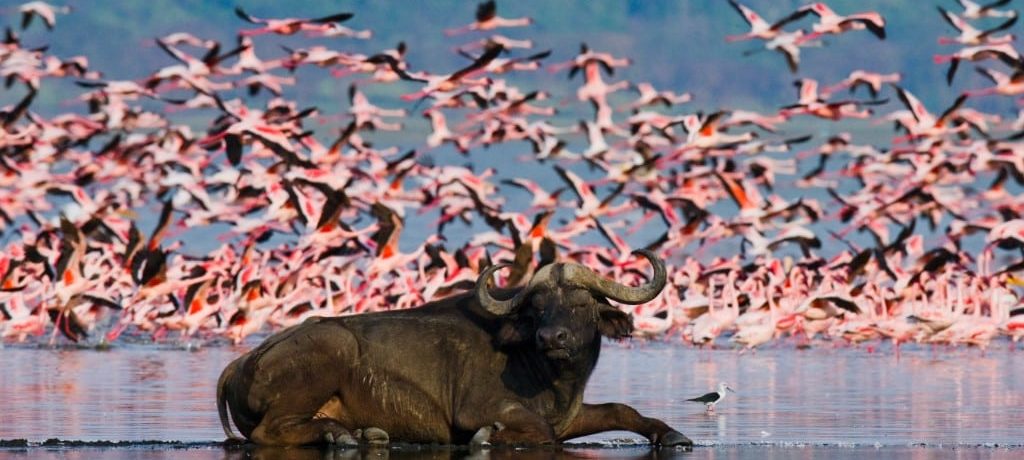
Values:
[(23, 320), (506, 42), (45, 11), (487, 19), (1013, 324), (186, 38), (788, 43), (972, 37), (1004, 52), (831, 23), (334, 29), (541, 198), (759, 27), (709, 325), (247, 59), (650, 96), (704, 132), (858, 78), (443, 83), (367, 115), (596, 91), (289, 26), (441, 134), (922, 123), (1005, 85), (973, 10), (759, 331), (586, 55)]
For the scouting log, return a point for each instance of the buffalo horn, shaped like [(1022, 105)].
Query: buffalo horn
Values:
[(494, 306), (588, 279)]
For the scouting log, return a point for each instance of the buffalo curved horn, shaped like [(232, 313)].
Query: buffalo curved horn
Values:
[(586, 278), (494, 306)]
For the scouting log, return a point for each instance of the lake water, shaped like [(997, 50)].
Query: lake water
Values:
[(824, 401)]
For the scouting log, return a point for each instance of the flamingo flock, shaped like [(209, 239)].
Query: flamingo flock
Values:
[(306, 218)]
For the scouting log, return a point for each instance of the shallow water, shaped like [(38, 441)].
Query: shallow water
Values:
[(839, 401), (710, 453)]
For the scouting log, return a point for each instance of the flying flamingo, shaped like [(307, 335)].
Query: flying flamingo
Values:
[(831, 23), (179, 38), (508, 43), (440, 133), (596, 91), (289, 26), (1004, 52), (1005, 85), (972, 37), (789, 44), (443, 83), (703, 132), (858, 78), (334, 29), (759, 27), (586, 55), (973, 10), (922, 122), (650, 96), (541, 198), (487, 19), (45, 11)]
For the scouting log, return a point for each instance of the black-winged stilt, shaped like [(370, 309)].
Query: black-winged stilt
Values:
[(713, 398)]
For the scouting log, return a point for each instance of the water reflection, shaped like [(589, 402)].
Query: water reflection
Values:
[(818, 396), (272, 453), (715, 453)]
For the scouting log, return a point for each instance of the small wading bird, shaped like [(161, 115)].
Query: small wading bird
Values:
[(711, 399)]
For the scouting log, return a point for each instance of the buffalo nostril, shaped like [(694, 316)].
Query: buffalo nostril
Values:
[(553, 338)]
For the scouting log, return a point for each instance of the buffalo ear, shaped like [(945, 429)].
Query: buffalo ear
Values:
[(614, 323)]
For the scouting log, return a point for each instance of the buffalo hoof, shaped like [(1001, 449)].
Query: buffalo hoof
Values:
[(482, 438), (675, 439), (341, 438), (374, 436)]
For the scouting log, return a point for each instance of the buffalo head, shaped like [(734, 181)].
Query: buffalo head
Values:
[(565, 306)]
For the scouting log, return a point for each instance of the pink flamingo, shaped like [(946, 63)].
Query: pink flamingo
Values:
[(289, 26), (487, 19), (970, 36), (759, 27), (45, 11)]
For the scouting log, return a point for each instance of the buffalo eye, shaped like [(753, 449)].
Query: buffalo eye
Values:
[(517, 330)]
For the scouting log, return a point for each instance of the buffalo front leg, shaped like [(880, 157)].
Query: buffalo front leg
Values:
[(597, 418), (297, 430), (516, 425)]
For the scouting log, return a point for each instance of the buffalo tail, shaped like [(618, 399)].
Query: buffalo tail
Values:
[(222, 402)]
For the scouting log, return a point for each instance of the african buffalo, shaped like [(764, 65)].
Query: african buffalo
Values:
[(467, 369)]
